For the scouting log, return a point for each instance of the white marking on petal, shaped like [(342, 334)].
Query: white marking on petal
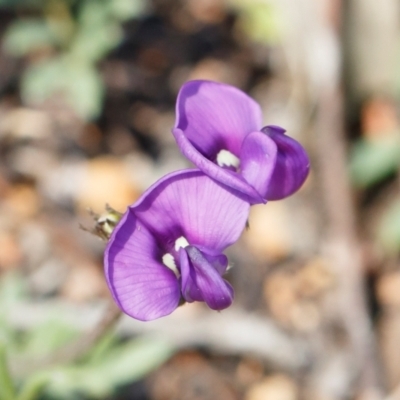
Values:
[(169, 261), (181, 242), (227, 159)]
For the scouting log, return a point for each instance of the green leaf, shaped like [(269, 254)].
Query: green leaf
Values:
[(94, 42), (25, 36), (389, 229), (72, 78), (105, 345), (126, 363), (7, 389), (93, 13), (126, 9), (371, 161), (259, 20), (12, 289), (42, 80), (33, 386), (85, 90), (48, 337)]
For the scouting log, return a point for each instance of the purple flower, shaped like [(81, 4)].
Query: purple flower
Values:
[(218, 129), (169, 246)]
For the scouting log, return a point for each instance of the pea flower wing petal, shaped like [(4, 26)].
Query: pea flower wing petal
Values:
[(140, 284), (258, 160)]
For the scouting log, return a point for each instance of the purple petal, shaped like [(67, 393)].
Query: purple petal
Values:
[(231, 179), (141, 285), (190, 291), (292, 165), (201, 281), (215, 258), (258, 159), (190, 204), (219, 262), (214, 116)]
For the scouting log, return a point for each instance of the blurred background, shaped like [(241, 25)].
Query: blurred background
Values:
[(87, 96)]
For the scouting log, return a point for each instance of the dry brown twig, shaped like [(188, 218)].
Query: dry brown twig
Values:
[(341, 242)]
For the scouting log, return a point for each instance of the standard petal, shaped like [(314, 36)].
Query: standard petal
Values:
[(215, 291), (258, 158), (215, 116), (190, 204), (229, 178), (141, 285), (292, 164)]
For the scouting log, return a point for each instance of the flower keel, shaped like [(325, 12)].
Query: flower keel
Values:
[(202, 282)]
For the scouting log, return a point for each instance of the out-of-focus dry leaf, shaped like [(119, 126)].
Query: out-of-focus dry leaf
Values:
[(142, 170), (189, 377), (106, 180), (371, 394), (22, 200), (388, 289), (90, 138), (49, 276), (153, 59), (268, 236), (249, 370), (291, 296), (314, 278), (280, 295), (143, 117), (84, 282), (26, 123), (207, 11), (34, 162), (4, 185), (121, 141), (305, 316), (10, 252), (275, 387), (389, 333), (34, 235), (315, 395), (221, 71), (379, 118)]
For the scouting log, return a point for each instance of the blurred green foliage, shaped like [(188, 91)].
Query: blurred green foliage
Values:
[(111, 363), (64, 43), (373, 160), (119, 364), (389, 230), (19, 3), (259, 20)]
